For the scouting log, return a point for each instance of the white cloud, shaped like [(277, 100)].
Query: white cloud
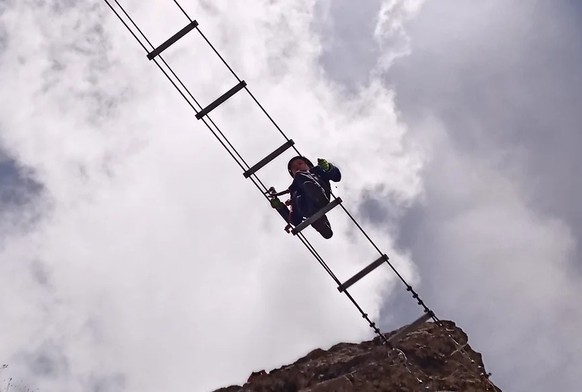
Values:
[(156, 265), (389, 31)]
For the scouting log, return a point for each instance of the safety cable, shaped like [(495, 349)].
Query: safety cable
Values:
[(258, 183), (461, 350), (408, 366)]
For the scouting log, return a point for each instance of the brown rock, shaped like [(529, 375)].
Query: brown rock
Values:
[(425, 359)]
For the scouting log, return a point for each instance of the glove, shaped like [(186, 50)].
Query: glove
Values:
[(276, 203), (325, 165)]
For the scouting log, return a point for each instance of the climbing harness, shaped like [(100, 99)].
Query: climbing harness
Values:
[(203, 114)]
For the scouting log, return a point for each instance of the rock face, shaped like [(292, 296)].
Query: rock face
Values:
[(426, 359)]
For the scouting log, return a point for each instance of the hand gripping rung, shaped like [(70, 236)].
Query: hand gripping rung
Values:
[(221, 99), (407, 328), (362, 273), (268, 158), (189, 27), (316, 216)]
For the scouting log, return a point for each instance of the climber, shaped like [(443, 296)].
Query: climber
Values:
[(310, 192)]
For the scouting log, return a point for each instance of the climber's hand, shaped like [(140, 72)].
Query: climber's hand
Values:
[(323, 164), (276, 203)]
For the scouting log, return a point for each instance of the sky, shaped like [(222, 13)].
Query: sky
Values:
[(135, 256)]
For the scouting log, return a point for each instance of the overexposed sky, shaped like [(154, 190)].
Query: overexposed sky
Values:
[(135, 256)]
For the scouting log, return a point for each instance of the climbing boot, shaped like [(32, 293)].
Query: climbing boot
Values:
[(323, 226)]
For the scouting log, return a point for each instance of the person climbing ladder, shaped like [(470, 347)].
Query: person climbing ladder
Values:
[(310, 191)]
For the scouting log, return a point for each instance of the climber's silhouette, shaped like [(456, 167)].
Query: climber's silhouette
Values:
[(310, 192)]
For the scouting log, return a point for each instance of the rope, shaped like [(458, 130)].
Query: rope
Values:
[(461, 349), (408, 366)]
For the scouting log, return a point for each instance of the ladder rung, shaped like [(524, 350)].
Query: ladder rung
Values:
[(268, 158), (407, 328), (316, 216), (190, 26), (362, 273), (221, 99)]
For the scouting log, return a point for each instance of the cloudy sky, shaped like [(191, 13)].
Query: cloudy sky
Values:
[(134, 256)]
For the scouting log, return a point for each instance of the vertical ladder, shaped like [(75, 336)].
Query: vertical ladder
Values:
[(250, 172)]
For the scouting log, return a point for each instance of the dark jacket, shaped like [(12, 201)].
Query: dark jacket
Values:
[(302, 207), (322, 177)]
